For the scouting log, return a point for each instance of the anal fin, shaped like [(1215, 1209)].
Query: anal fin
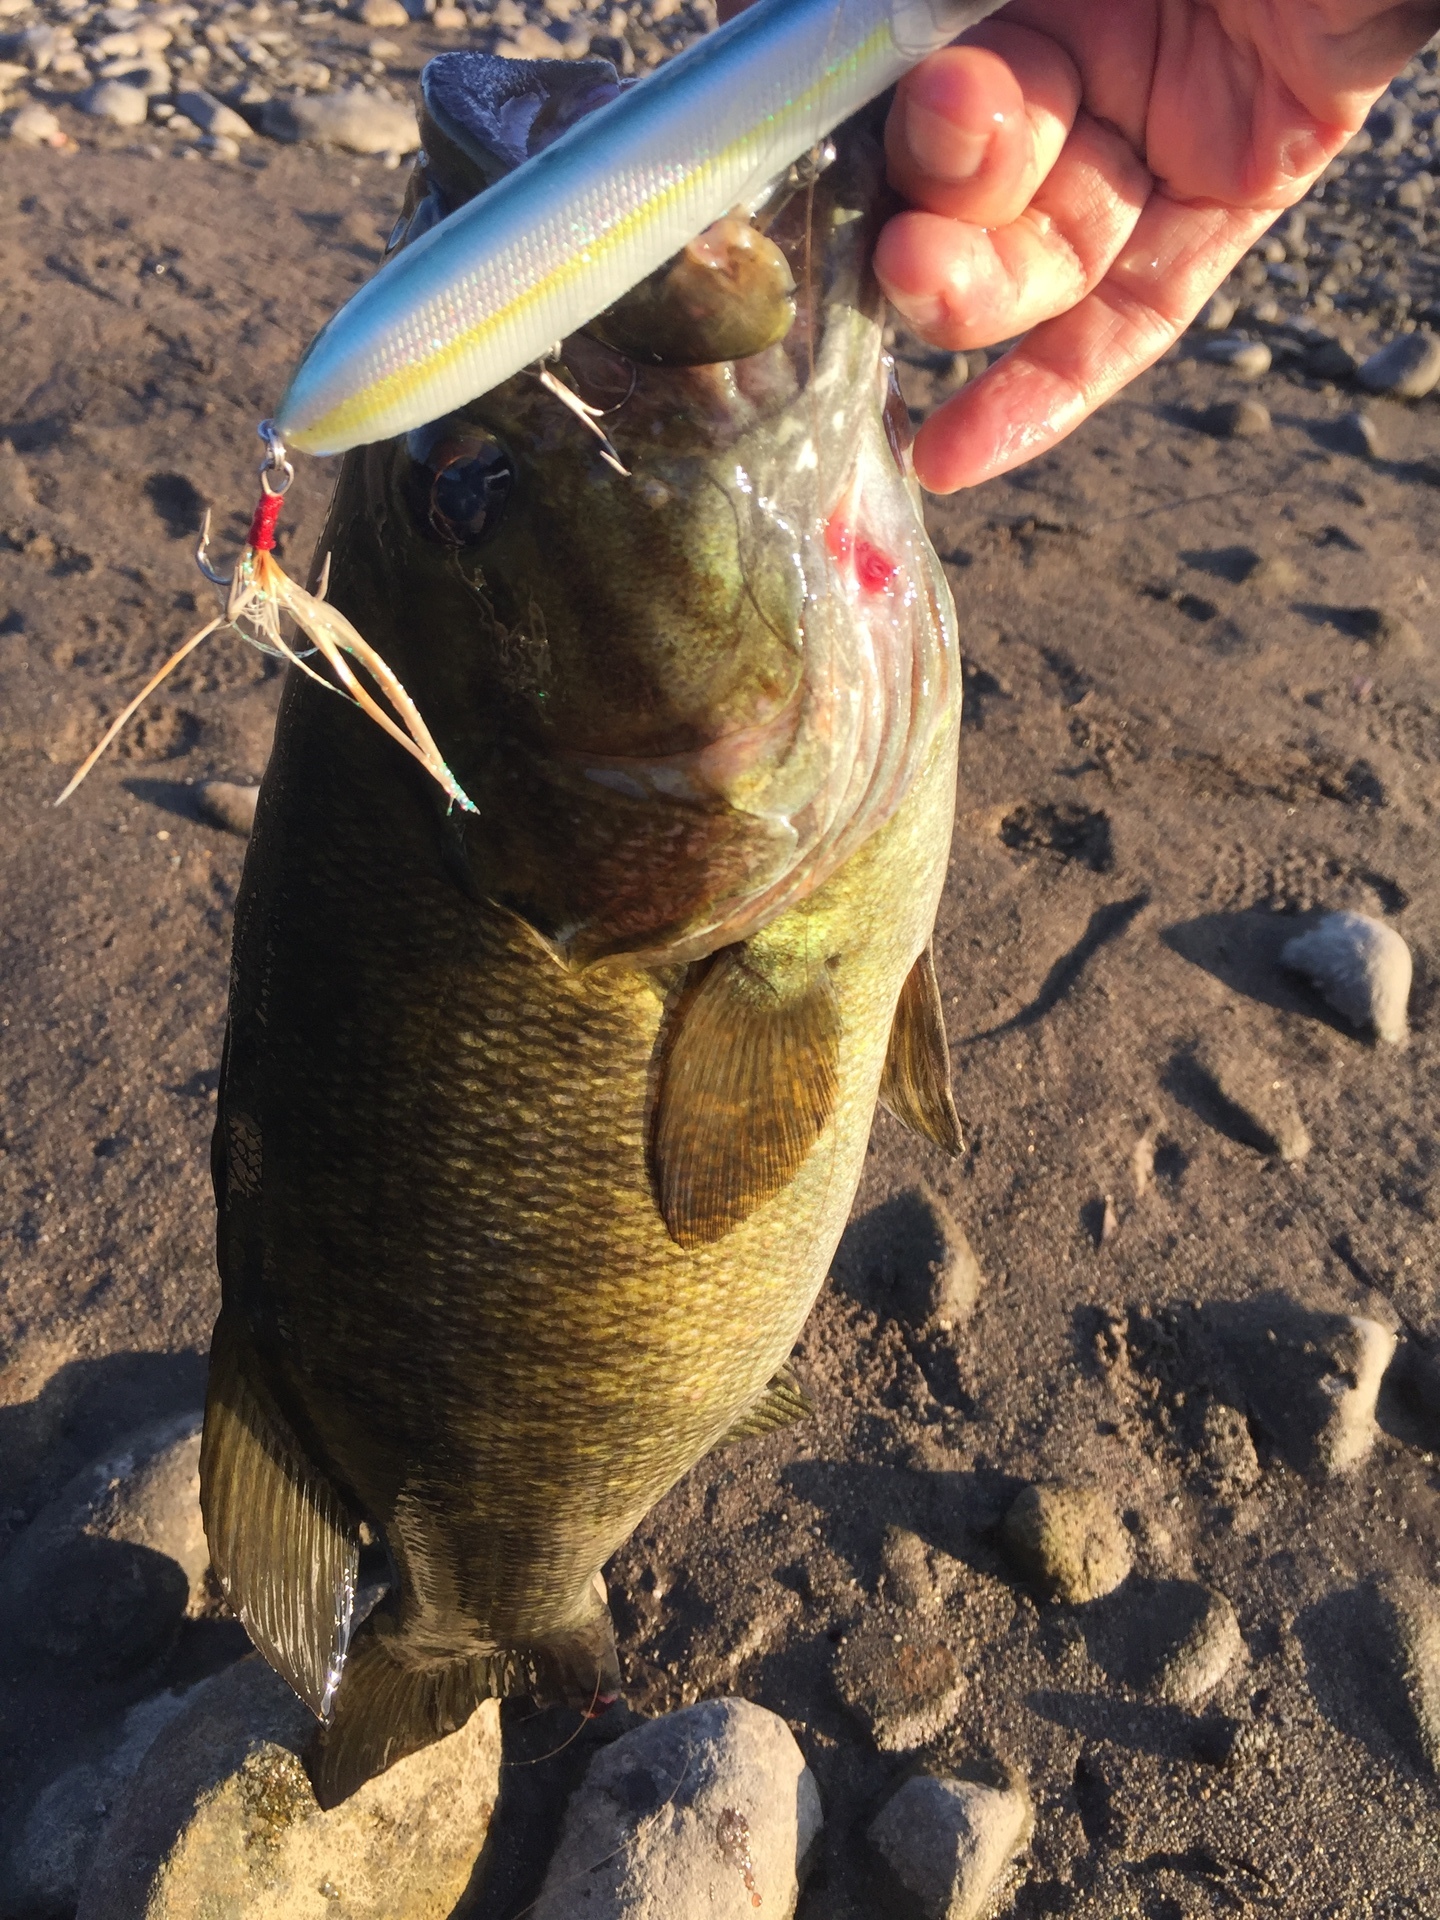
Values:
[(915, 1084), (387, 1708), (783, 1402), (284, 1547), (749, 1085)]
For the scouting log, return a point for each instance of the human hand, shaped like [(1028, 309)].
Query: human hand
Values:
[(1086, 173)]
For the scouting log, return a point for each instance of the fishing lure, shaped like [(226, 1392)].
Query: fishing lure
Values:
[(257, 594), (489, 290)]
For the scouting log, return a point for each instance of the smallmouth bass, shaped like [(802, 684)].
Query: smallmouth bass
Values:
[(538, 1128)]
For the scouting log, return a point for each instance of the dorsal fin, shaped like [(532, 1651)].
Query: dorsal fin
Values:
[(783, 1402), (915, 1085), (749, 1085), (481, 115), (284, 1548)]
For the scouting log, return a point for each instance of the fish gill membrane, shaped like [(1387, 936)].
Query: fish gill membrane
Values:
[(538, 1124)]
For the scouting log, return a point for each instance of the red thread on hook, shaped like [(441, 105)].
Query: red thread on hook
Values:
[(262, 528)]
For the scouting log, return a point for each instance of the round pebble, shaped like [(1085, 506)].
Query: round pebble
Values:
[(1068, 1541), (36, 126), (1361, 966), (1248, 359), (113, 100), (1409, 367), (1238, 420)]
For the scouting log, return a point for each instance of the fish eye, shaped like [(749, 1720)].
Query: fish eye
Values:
[(460, 484)]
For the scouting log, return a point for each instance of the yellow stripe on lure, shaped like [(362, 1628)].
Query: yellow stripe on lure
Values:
[(490, 289)]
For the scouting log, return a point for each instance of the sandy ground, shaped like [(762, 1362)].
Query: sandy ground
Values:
[(1173, 744)]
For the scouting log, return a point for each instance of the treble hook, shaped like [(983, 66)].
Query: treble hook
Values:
[(202, 560)]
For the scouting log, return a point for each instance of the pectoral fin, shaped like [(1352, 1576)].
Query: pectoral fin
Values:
[(749, 1085), (915, 1085), (283, 1546), (783, 1402)]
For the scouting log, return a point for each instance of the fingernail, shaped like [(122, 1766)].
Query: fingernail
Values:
[(939, 148), (923, 311)]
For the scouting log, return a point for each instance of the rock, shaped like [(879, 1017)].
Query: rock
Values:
[(1409, 366), (1248, 359), (910, 1257), (1361, 966), (36, 126), (105, 1574), (1309, 1381), (1237, 420), (212, 115), (1256, 1103), (57, 1838), (1171, 1639), (220, 146), (1357, 433), (1226, 1450), (449, 19), (903, 1689), (113, 100), (1067, 1540), (1276, 578), (380, 13), (1327, 359), (947, 1843), (905, 1562), (1218, 311), (358, 121), (1409, 1612), (220, 1819), (709, 1811)]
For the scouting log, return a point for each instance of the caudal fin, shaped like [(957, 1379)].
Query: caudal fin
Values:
[(386, 1708)]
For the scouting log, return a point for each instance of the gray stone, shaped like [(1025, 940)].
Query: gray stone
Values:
[(1328, 359), (1276, 578), (1256, 1101), (1067, 1540), (1410, 1629), (1238, 420), (57, 1838), (1247, 359), (947, 1843), (911, 1258), (1172, 1639), (903, 1688), (220, 1819), (905, 1563), (35, 126), (709, 1811), (1409, 366), (1218, 311), (229, 804), (106, 1573), (212, 115), (356, 120), (1361, 966), (1310, 1381), (113, 100), (1357, 433)]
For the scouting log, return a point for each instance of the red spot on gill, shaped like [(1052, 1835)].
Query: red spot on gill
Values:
[(874, 569)]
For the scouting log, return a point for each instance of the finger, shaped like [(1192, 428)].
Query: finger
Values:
[(962, 285), (976, 128), (1054, 379)]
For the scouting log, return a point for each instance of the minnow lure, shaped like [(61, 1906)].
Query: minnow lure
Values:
[(490, 289), (549, 247)]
